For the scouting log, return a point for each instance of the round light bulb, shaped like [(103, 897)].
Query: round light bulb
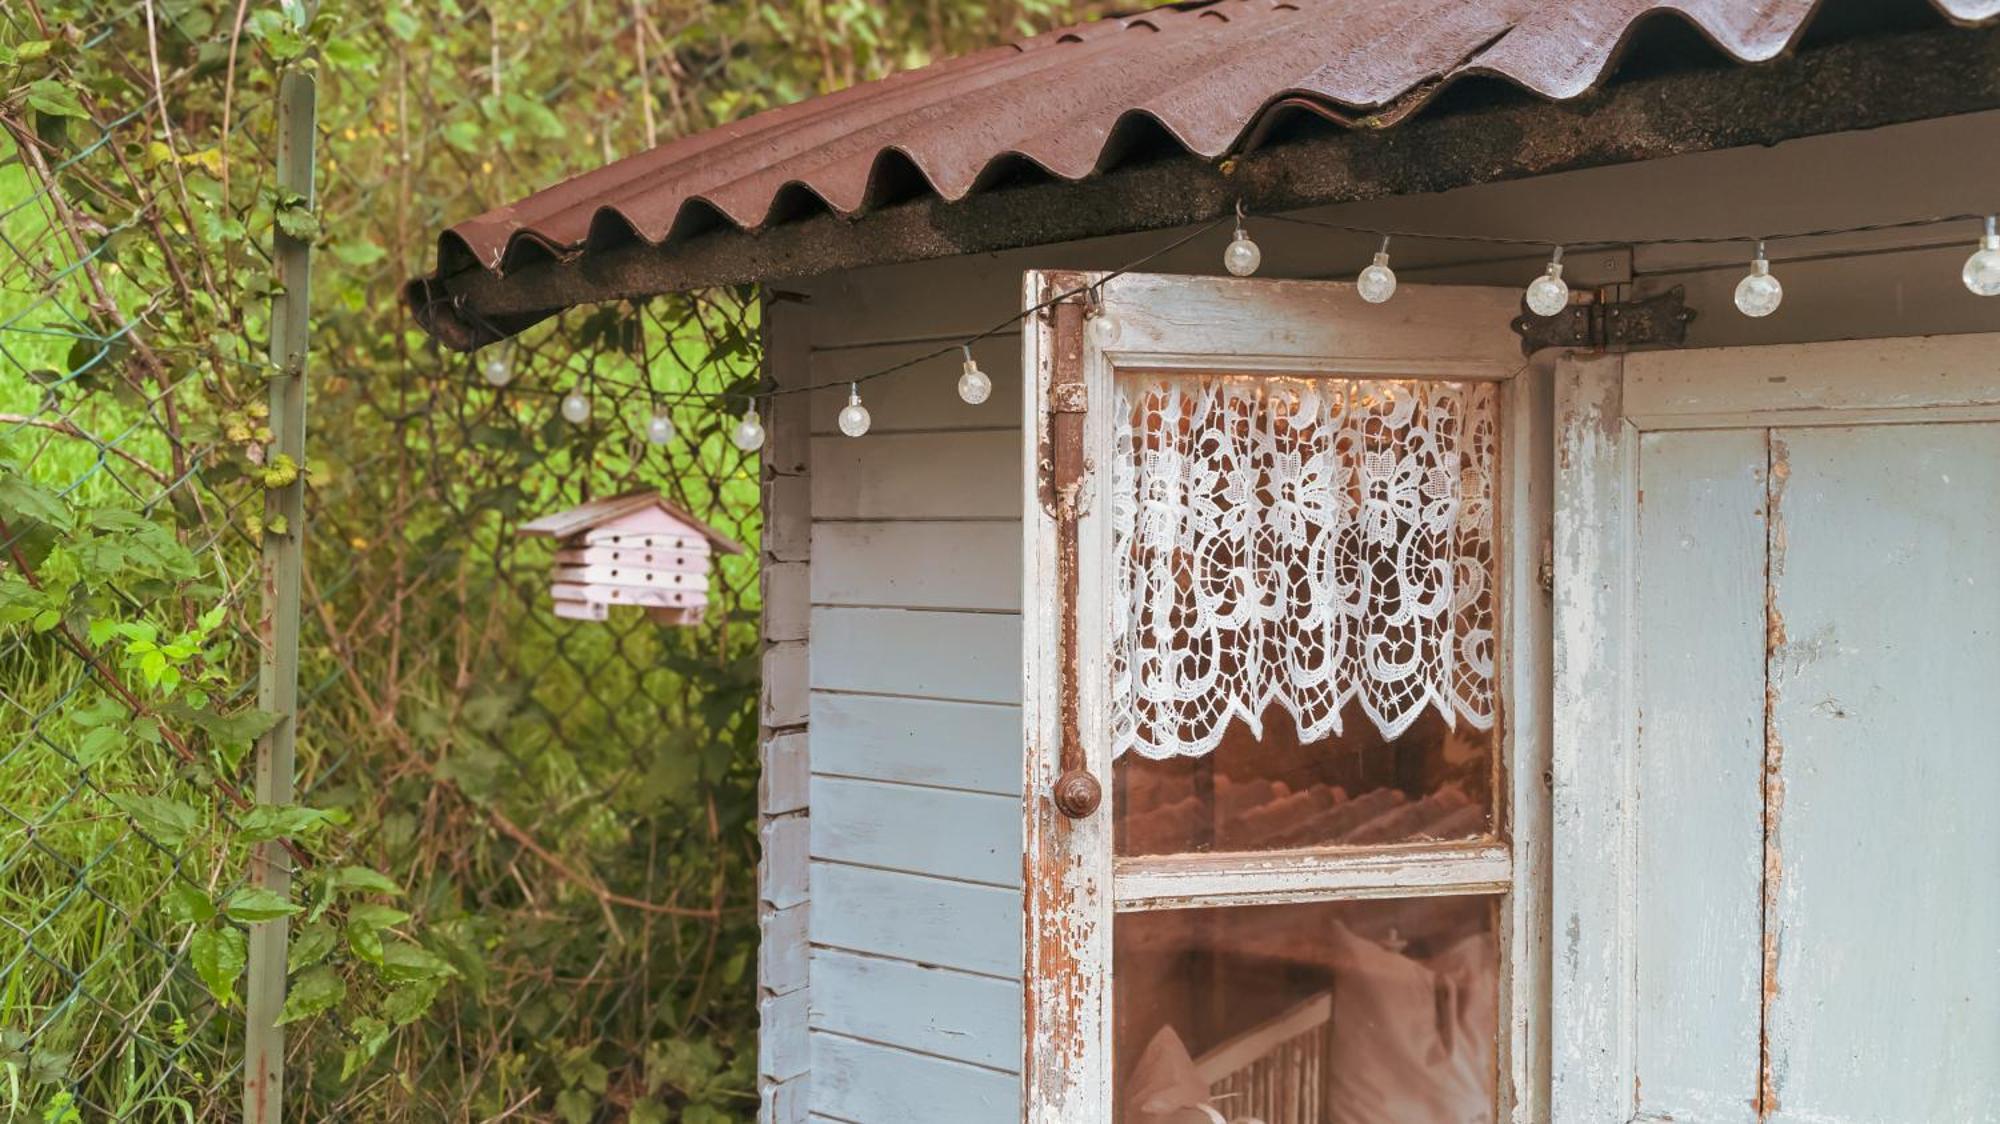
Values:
[(1377, 282), (576, 408), (1242, 257), (749, 433), (659, 429), (1982, 269), (854, 417), (495, 368), (1548, 294), (1759, 293), (973, 386), (1104, 329)]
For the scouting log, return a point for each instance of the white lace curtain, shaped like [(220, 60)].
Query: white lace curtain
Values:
[(1304, 543)]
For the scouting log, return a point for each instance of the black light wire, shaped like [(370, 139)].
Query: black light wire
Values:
[(1094, 288)]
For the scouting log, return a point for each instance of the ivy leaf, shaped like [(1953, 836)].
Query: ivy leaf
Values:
[(576, 1106), (219, 956), (98, 744), (187, 904), (166, 821), (277, 34), (371, 916), (21, 496), (363, 880), (365, 943), (55, 99), (309, 947), (462, 135), (298, 222), (370, 1034), (282, 821), (349, 54), (408, 1003), (358, 255), (313, 991), (401, 24), (240, 728), (404, 961), (253, 904)]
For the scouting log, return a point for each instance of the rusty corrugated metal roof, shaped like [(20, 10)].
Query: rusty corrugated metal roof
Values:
[(1206, 73)]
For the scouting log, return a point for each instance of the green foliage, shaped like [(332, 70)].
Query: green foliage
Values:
[(525, 848)]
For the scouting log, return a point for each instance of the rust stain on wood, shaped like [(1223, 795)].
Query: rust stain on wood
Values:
[(1057, 1019), (1778, 474)]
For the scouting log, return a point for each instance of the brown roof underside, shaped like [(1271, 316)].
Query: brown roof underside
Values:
[(1207, 74)]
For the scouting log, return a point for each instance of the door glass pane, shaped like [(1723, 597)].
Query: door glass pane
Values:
[(1364, 1012), (1257, 794), (1303, 644)]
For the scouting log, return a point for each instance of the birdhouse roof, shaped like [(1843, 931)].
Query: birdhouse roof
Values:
[(624, 508)]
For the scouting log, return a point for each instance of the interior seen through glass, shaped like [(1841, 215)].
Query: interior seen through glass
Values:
[(1362, 1012), (1435, 782)]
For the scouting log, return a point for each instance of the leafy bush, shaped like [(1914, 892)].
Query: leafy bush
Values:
[(525, 848)]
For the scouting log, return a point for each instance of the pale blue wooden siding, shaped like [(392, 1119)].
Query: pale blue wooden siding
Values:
[(1699, 609), (915, 1010), (1887, 992), (1830, 936)]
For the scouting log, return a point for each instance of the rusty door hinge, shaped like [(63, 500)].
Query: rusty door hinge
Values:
[(1660, 320)]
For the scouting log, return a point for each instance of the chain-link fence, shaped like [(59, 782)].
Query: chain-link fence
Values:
[(520, 847)]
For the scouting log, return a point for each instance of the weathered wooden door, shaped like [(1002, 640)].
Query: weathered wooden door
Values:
[(1283, 657), (1777, 872)]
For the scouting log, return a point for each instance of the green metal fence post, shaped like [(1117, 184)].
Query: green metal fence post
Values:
[(278, 625)]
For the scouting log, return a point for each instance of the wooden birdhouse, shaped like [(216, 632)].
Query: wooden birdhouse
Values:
[(633, 549)]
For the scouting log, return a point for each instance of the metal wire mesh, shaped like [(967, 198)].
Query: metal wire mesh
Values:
[(523, 844), (128, 573)]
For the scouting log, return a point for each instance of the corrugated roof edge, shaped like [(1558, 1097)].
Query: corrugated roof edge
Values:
[(477, 244)]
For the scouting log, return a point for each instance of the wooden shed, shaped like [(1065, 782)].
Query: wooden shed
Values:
[(1277, 704)]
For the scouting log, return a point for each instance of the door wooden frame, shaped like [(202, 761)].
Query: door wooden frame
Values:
[(1073, 888)]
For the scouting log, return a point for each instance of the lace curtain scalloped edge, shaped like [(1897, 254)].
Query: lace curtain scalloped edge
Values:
[(1301, 543)]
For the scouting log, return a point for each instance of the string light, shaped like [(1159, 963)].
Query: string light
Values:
[(854, 417), (576, 407), (1759, 293), (1105, 329), (1549, 294), (497, 366), (1241, 257), (749, 432), (659, 429), (1982, 269), (973, 386), (1099, 324), (1377, 282)]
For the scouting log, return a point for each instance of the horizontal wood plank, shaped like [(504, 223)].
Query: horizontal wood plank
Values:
[(917, 918), (972, 836), (973, 746), (934, 1010), (869, 1083), (1852, 375), (969, 656), (973, 475), (921, 565), (1171, 882), (1317, 327)]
